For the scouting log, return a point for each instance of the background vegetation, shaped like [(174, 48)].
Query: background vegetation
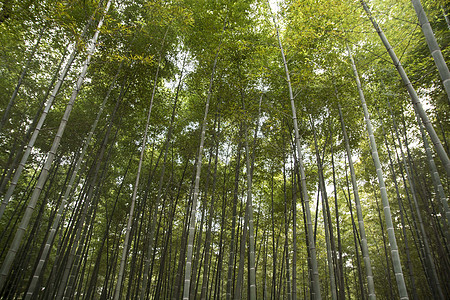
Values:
[(177, 173)]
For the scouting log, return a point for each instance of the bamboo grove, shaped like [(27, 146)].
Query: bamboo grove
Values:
[(218, 149)]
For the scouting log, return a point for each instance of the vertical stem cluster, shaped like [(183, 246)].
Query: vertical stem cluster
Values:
[(51, 155), (190, 245), (433, 45), (412, 93), (384, 197), (312, 247), (364, 246)]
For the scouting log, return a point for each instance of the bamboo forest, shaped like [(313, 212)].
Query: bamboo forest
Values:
[(224, 149)]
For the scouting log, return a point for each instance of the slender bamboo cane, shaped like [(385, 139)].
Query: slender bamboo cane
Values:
[(437, 183), (85, 216), (24, 255), (6, 176), (446, 17), (118, 288), (294, 237), (198, 255), (204, 287), (243, 240), (35, 134), (53, 95), (169, 231), (222, 229), (274, 248), (187, 275), (402, 218), (386, 254), (433, 45), (232, 253), (63, 204), (249, 167), (155, 209), (325, 216), (183, 239), (21, 77), (436, 286), (340, 263), (109, 218), (51, 155), (386, 208), (312, 248), (356, 241), (412, 93), (364, 246)]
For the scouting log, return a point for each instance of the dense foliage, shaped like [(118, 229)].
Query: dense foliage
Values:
[(149, 149)]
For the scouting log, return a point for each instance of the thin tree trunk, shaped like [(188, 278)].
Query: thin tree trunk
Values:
[(53, 95), (424, 254), (436, 286), (402, 218), (265, 269), (10, 168), (21, 204), (340, 264), (188, 269), (181, 260), (198, 255), (305, 222), (356, 242), (85, 217), (286, 232), (35, 134), (21, 77), (249, 168), (135, 235), (437, 183), (171, 223), (386, 209), (281, 283), (414, 98), (118, 288), (274, 249), (433, 45), (66, 239), (53, 214), (67, 193), (386, 254), (364, 246), (243, 240), (204, 287), (149, 247), (74, 272), (222, 229), (325, 216), (94, 278), (294, 238), (445, 13), (312, 248), (24, 255), (51, 155), (232, 253)]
